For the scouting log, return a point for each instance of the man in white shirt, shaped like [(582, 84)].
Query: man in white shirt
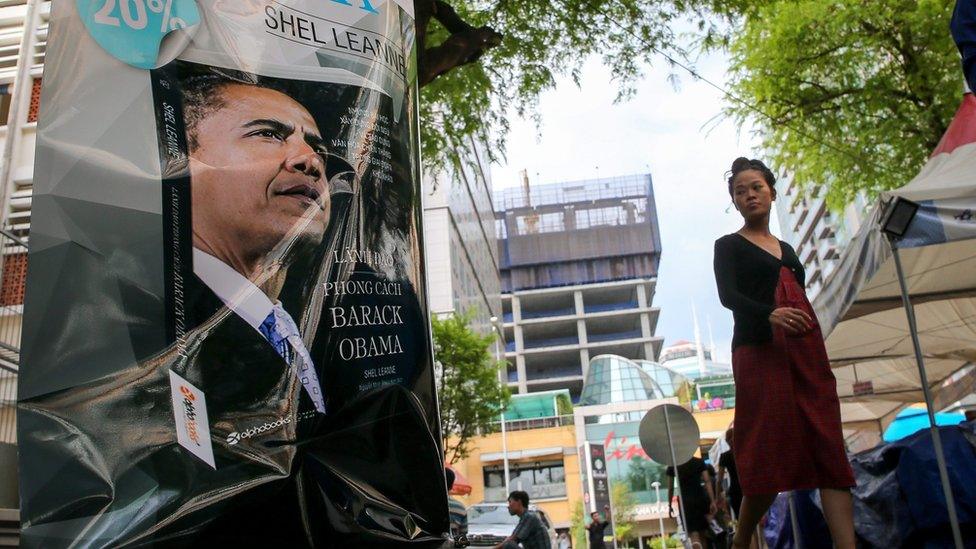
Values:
[(259, 195)]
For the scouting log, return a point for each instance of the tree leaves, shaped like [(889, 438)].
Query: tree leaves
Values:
[(542, 40), (850, 95), (469, 391)]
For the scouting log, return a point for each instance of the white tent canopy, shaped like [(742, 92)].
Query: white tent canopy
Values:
[(860, 305)]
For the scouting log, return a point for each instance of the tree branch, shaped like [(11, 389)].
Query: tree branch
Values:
[(466, 43)]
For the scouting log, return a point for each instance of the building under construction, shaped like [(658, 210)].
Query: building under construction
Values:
[(578, 264)]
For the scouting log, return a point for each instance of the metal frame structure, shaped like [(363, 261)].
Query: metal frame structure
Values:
[(895, 216)]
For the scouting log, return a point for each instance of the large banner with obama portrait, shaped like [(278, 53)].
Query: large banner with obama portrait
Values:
[(225, 333)]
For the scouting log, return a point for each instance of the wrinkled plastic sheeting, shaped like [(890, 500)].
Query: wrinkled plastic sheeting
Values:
[(813, 532), (172, 396), (898, 500)]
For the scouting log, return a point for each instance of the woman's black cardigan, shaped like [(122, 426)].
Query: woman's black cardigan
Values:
[(747, 276)]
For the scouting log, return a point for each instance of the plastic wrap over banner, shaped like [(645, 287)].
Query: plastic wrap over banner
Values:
[(226, 338)]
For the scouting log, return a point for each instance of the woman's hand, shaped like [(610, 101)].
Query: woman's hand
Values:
[(794, 321), (712, 509)]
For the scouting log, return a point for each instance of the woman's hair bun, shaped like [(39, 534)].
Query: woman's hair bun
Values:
[(739, 164), (742, 164)]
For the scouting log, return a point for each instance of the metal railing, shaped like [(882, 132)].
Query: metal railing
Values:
[(12, 279), (533, 423), (627, 186)]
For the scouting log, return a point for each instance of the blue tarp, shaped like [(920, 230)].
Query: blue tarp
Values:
[(964, 32), (898, 499), (912, 420), (812, 527)]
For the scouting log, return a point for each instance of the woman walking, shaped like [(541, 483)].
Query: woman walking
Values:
[(787, 418)]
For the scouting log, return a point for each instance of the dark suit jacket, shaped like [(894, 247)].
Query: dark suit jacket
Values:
[(102, 463)]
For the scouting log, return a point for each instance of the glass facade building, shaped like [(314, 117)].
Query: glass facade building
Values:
[(616, 379), (613, 382), (462, 255)]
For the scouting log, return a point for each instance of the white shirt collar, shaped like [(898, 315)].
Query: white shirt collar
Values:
[(238, 293)]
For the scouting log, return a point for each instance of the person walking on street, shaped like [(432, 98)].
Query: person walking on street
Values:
[(726, 466), (697, 498), (787, 418), (459, 515), (529, 532), (597, 526)]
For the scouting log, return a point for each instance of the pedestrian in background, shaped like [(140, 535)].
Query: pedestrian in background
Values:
[(564, 542), (459, 515), (697, 498), (726, 466), (787, 416), (529, 532), (597, 527)]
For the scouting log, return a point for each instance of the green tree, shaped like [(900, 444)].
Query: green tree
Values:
[(623, 505), (577, 528), (667, 543), (521, 48), (854, 95), (642, 473), (564, 406), (469, 391)]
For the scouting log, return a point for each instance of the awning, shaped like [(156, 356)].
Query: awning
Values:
[(535, 405), (462, 486), (860, 306)]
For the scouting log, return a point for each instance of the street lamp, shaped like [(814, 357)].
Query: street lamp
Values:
[(497, 327), (895, 221), (660, 517)]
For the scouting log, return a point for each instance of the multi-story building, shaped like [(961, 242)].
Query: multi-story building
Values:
[(542, 457), (578, 264), (710, 383), (23, 37), (544, 433), (817, 233), (617, 395), (462, 255), (692, 360)]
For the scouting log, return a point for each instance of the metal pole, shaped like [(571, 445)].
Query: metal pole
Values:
[(21, 88), (677, 479), (500, 335), (936, 438), (795, 522), (660, 517), (505, 455)]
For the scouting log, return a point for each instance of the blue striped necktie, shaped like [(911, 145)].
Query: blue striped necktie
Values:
[(282, 333)]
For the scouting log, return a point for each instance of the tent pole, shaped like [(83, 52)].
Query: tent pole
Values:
[(795, 521), (933, 428), (677, 479)]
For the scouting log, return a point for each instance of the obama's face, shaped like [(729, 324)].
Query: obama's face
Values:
[(258, 173)]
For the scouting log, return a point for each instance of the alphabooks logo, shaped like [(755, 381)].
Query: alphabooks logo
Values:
[(236, 437), (190, 415)]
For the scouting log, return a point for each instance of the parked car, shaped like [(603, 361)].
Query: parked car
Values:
[(489, 524)]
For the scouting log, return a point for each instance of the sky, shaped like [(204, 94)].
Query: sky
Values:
[(671, 132)]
